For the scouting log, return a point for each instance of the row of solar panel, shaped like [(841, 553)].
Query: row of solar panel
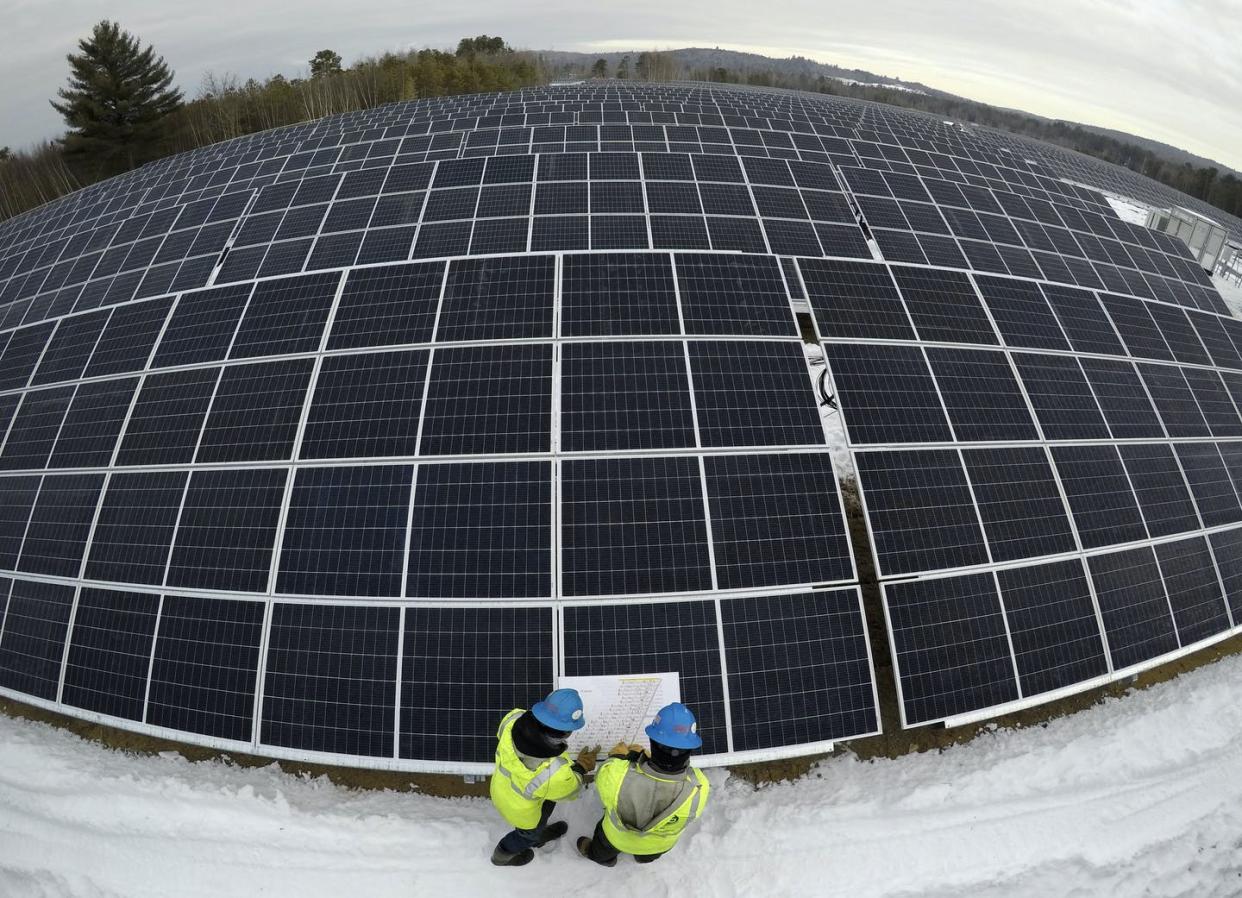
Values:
[(963, 644), (478, 530), (912, 394), (859, 301), (488, 299), (470, 400), (798, 666), (939, 509)]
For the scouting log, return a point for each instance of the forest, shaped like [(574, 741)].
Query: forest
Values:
[(156, 120)]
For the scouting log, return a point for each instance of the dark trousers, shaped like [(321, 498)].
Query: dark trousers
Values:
[(602, 851), (518, 840)]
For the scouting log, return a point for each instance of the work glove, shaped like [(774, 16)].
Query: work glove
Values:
[(636, 747), (586, 758), (620, 750)]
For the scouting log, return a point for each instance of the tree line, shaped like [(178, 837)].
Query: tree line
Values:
[(122, 110)]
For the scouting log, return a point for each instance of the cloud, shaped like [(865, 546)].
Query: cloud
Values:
[(1167, 69)]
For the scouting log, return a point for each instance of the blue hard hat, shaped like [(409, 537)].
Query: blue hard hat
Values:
[(674, 725), (561, 710)]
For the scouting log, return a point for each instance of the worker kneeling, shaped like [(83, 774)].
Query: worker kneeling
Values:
[(533, 772), (649, 800)]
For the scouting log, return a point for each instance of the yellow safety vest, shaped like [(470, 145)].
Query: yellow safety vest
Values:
[(519, 792), (661, 834)]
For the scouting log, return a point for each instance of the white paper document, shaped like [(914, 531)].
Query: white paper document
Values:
[(618, 709)]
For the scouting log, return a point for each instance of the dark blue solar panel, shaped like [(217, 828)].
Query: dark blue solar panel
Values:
[(60, 524), (462, 669), (345, 533), (1122, 398), (1194, 592), (944, 306), (950, 646), (618, 294), (127, 341), (1019, 502), (17, 496), (93, 423), (920, 509), (887, 394), (205, 666), (135, 527), (286, 316), (733, 295), (798, 668), (498, 299), (481, 531), (33, 643), (254, 415), (625, 396), (1100, 495), (489, 399), (776, 520), (388, 306), (202, 326), (1053, 625), (70, 348), (1210, 483), (366, 405), (1021, 313), (110, 652), (751, 393), (307, 703), (226, 530), (1174, 400), (167, 417), (1133, 605), (855, 300), (22, 353), (1227, 550), (632, 525), (981, 395)]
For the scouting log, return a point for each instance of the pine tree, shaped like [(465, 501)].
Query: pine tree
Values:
[(325, 62), (600, 69), (117, 101)]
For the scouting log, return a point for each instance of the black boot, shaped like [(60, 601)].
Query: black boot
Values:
[(502, 858), (552, 832), (584, 849)]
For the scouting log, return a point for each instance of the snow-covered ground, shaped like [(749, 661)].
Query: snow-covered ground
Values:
[(1139, 796)]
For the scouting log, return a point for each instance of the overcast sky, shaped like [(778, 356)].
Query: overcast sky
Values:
[(1166, 69)]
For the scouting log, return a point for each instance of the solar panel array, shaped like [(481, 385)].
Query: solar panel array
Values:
[(340, 440)]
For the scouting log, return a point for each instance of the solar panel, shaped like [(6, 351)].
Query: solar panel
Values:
[(633, 526), (751, 393), (110, 652), (226, 529), (366, 405), (345, 532), (205, 666), (488, 399), (1053, 625), (462, 669), (1133, 606), (776, 521), (887, 394), (920, 509), (508, 350), (307, 703), (625, 396), (481, 531), (950, 646), (799, 669), (32, 646)]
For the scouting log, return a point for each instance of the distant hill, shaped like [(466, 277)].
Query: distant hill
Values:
[(704, 58), (692, 60)]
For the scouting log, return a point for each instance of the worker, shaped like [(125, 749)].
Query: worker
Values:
[(533, 772), (648, 799)]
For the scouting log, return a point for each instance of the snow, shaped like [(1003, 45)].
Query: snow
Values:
[(1128, 209), (1141, 795), (1231, 291)]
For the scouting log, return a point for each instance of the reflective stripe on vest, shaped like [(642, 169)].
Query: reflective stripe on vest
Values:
[(542, 777)]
